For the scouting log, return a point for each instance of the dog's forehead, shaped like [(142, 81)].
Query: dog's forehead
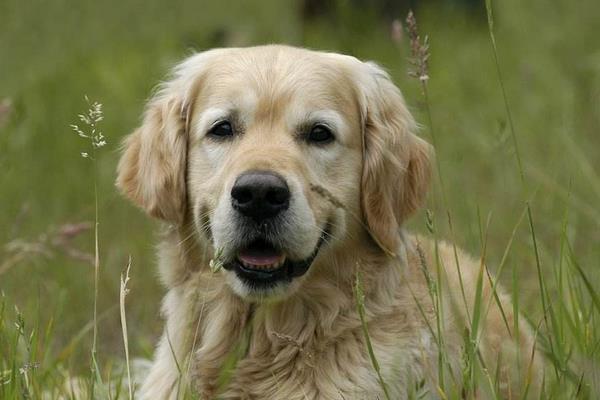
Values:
[(272, 79)]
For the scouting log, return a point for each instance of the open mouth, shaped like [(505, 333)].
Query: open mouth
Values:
[(260, 255), (261, 264)]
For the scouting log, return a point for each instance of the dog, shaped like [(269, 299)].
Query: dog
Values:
[(283, 177)]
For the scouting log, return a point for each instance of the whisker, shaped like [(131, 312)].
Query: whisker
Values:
[(329, 234), (188, 237)]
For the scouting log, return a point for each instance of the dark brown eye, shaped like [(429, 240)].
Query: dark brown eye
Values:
[(320, 134), (221, 130)]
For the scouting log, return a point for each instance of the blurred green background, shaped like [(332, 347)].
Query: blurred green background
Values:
[(52, 53)]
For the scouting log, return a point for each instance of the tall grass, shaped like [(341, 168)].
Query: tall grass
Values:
[(561, 361), (516, 89), (92, 133), (549, 319), (360, 306), (122, 294)]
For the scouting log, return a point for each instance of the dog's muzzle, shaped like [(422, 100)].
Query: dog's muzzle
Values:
[(260, 200)]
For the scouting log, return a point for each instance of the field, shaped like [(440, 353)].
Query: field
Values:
[(535, 100)]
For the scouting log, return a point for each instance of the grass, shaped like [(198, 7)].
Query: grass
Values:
[(541, 231), (360, 306), (122, 295), (91, 132)]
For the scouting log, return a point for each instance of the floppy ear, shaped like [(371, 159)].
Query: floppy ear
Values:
[(396, 163), (151, 172)]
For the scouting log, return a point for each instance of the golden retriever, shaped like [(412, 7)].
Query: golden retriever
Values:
[(284, 176)]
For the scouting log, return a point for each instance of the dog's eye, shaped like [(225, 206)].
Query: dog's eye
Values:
[(320, 134), (222, 129)]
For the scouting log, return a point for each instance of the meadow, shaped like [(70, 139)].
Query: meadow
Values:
[(516, 130)]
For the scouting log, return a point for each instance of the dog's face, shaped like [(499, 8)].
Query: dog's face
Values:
[(279, 155)]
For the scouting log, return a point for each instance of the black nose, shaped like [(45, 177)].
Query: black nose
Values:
[(260, 195)]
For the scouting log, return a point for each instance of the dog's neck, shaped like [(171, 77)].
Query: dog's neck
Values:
[(322, 308)]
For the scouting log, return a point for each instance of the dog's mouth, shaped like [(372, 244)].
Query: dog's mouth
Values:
[(261, 255), (261, 264)]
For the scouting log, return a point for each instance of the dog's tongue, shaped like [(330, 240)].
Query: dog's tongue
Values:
[(260, 256), (260, 260)]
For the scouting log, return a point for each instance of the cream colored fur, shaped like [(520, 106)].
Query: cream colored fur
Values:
[(305, 340)]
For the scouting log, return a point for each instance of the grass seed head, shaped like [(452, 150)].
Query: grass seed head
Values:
[(419, 50), (90, 131), (216, 263)]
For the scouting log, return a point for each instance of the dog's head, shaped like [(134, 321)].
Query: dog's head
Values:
[(278, 155)]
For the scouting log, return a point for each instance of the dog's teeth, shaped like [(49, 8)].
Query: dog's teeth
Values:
[(267, 267), (280, 263)]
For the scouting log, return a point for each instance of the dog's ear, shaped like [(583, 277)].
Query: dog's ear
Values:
[(396, 163), (151, 172)]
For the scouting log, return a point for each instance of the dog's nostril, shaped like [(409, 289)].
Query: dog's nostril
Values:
[(241, 194), (260, 194), (278, 196)]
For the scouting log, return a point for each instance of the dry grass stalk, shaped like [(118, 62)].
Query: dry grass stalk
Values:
[(327, 195), (122, 294)]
